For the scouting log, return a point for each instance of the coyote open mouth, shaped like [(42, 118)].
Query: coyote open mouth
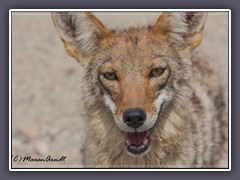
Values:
[(138, 143)]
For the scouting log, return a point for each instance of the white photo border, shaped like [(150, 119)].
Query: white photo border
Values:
[(118, 169)]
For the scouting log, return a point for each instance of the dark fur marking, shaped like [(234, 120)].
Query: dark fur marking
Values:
[(149, 27), (220, 105), (197, 103), (132, 38), (189, 16)]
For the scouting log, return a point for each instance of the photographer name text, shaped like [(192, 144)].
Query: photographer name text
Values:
[(49, 158)]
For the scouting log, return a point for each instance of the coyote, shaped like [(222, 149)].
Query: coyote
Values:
[(149, 102)]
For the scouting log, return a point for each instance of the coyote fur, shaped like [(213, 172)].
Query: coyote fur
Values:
[(149, 102)]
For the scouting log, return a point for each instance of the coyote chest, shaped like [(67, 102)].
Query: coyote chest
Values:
[(148, 101)]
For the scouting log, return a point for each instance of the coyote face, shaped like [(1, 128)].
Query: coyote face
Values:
[(135, 85), (139, 86), (140, 71)]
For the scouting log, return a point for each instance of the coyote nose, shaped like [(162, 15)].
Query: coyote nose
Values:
[(134, 117)]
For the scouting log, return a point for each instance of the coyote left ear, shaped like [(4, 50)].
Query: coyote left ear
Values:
[(183, 29), (81, 32)]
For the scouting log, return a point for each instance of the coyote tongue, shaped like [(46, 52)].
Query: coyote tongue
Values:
[(136, 138)]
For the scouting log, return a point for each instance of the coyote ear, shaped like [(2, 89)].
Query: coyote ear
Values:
[(183, 29), (80, 32)]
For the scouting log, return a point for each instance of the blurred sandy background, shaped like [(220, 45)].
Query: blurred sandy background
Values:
[(46, 105)]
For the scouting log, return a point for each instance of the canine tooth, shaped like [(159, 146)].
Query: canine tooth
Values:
[(128, 143), (145, 141)]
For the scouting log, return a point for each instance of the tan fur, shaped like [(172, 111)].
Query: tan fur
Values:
[(191, 129)]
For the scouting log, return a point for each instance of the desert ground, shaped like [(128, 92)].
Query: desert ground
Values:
[(46, 98)]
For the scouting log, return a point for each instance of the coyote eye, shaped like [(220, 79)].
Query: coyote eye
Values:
[(156, 72), (110, 76)]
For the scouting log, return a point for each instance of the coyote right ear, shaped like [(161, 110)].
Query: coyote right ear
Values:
[(182, 29), (80, 32)]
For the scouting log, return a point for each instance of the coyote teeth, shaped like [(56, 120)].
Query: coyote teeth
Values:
[(133, 147), (128, 143), (145, 141)]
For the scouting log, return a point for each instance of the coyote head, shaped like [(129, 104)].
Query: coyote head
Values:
[(138, 73)]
